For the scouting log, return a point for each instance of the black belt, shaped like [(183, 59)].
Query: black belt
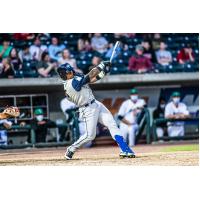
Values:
[(87, 104)]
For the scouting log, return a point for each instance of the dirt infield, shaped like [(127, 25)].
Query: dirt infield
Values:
[(145, 155)]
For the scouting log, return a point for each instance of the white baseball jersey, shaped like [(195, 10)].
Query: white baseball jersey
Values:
[(77, 91), (175, 128), (171, 109), (128, 109)]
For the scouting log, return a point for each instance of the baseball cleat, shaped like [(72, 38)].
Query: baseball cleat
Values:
[(126, 155), (69, 154)]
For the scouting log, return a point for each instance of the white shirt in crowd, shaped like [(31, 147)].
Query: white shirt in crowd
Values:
[(99, 44), (36, 51)]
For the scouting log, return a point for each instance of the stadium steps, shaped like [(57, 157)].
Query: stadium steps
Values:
[(107, 140), (104, 141)]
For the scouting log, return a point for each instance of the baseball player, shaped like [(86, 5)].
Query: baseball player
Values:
[(91, 111), (3, 132), (176, 110), (127, 115)]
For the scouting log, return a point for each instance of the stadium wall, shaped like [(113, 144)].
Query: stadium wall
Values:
[(150, 86)]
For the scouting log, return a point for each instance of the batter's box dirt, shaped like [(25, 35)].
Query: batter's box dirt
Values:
[(107, 156)]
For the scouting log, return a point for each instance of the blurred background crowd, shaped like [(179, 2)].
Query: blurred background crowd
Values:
[(38, 55)]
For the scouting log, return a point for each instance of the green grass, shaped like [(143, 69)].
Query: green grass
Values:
[(193, 147)]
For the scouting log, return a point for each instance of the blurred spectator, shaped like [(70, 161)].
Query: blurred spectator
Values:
[(148, 51), (83, 45), (127, 115), (3, 132), (24, 54), (159, 113), (23, 36), (185, 55), (6, 69), (66, 58), (156, 40), (5, 49), (110, 50), (14, 59), (164, 57), (55, 49), (99, 43), (176, 110), (37, 49), (41, 125), (95, 61), (44, 67), (139, 63)]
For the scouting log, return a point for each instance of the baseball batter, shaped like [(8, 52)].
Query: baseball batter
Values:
[(91, 111), (127, 115)]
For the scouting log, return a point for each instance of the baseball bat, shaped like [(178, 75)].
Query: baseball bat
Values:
[(114, 50)]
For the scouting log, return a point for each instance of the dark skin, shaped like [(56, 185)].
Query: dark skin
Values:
[(92, 74)]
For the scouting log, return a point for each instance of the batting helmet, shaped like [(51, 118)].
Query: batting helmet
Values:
[(64, 69)]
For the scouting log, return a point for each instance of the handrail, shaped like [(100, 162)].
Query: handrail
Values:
[(144, 122), (32, 133), (194, 120)]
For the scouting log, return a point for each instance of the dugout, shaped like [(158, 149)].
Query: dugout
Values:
[(112, 90)]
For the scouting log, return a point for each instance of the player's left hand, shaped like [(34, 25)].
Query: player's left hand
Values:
[(107, 65)]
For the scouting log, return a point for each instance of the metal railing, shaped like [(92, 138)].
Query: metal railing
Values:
[(156, 122), (143, 121), (74, 135)]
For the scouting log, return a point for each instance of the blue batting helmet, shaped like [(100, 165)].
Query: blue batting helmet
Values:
[(64, 69)]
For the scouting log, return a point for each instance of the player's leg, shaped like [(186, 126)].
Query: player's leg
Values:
[(132, 134), (124, 131), (89, 116), (106, 118), (82, 129)]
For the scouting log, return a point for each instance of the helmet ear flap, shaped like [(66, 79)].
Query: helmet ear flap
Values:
[(62, 74)]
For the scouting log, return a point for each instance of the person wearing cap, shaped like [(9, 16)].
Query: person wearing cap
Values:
[(40, 125), (159, 113), (127, 115), (139, 63), (91, 111), (176, 110)]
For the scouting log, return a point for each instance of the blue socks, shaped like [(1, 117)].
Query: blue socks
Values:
[(122, 144)]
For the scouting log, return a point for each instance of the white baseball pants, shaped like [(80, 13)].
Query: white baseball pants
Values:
[(91, 115)]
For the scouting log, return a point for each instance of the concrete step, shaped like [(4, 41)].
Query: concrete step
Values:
[(104, 140)]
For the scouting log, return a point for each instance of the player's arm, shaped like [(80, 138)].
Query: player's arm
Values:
[(121, 118), (98, 72)]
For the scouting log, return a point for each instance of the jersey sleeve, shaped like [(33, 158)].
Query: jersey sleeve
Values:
[(122, 110), (78, 82), (143, 103), (168, 110)]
